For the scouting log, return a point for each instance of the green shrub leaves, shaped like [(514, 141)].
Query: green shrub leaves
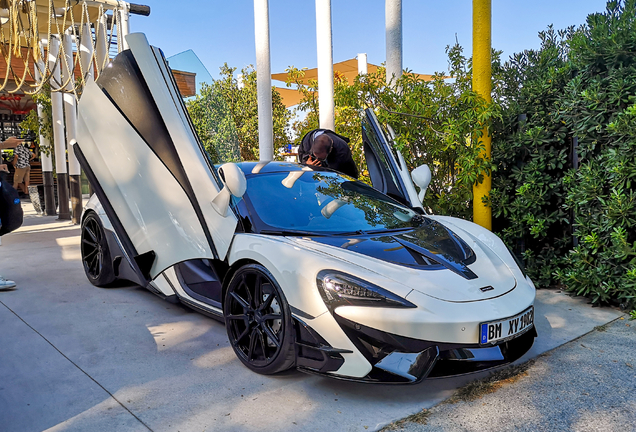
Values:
[(564, 192)]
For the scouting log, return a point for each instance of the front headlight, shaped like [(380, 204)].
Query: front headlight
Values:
[(341, 289)]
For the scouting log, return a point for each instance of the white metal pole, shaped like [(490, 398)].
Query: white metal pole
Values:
[(70, 114), (101, 44), (86, 53), (70, 111), (362, 64), (57, 106), (57, 112), (263, 81), (46, 158), (124, 24), (393, 10), (325, 64)]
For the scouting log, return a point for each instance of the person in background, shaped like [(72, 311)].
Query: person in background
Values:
[(323, 147), (22, 157), (5, 284)]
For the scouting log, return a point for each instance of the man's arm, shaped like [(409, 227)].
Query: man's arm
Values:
[(304, 149)]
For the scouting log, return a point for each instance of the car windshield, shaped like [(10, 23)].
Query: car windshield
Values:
[(323, 202)]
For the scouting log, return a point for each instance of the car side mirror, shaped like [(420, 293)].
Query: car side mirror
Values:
[(234, 184), (422, 178)]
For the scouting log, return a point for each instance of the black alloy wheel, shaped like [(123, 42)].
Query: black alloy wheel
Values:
[(258, 321), (95, 253)]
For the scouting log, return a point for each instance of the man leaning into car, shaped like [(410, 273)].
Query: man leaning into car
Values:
[(322, 147)]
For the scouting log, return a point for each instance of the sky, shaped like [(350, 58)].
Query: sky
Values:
[(221, 31)]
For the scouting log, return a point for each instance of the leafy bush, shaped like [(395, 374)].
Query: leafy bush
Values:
[(577, 94), (599, 106), (225, 117), (531, 149)]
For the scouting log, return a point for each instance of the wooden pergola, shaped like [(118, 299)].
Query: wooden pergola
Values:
[(36, 35), (64, 43)]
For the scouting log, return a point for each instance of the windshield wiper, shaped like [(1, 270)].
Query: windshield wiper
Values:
[(292, 233), (367, 232), (389, 230), (349, 233)]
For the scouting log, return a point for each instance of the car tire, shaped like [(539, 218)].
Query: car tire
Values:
[(96, 258), (258, 321)]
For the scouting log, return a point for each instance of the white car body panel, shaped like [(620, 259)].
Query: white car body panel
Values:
[(194, 162), (94, 205), (150, 203), (148, 200), (440, 321), (480, 236), (355, 365), (443, 285), (161, 283), (295, 269)]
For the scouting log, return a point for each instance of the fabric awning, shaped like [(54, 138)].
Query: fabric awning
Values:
[(347, 68)]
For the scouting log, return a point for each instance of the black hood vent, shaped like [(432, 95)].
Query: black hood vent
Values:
[(430, 246)]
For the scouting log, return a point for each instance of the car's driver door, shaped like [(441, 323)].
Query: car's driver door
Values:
[(387, 168), (151, 174)]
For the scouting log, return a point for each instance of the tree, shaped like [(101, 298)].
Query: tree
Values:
[(226, 117), (438, 123)]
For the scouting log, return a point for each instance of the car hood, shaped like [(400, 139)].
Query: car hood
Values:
[(438, 265)]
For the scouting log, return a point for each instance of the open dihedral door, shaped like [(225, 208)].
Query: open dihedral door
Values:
[(151, 174), (387, 168)]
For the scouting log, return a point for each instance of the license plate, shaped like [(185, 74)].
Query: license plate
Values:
[(506, 329)]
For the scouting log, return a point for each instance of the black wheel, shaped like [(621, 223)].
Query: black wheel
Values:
[(95, 253), (258, 321)]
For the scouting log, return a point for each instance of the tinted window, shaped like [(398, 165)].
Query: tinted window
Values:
[(322, 202)]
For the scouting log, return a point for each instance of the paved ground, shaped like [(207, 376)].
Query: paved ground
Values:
[(77, 358), (586, 385)]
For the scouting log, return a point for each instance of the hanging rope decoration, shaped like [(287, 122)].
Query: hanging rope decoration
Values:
[(23, 50)]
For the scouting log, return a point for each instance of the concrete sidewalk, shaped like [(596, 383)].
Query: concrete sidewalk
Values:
[(586, 385), (76, 357)]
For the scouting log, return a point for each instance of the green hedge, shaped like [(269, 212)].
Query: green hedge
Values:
[(531, 149), (575, 225)]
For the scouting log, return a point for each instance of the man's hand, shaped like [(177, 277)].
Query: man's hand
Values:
[(3, 167), (313, 162)]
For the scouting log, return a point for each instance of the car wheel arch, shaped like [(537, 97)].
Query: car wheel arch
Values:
[(233, 269), (85, 215)]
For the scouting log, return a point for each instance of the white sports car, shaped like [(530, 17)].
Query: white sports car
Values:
[(308, 268)]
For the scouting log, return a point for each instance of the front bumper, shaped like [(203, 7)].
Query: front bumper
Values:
[(401, 360)]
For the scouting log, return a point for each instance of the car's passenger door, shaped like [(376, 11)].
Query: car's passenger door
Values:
[(143, 157), (387, 168)]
